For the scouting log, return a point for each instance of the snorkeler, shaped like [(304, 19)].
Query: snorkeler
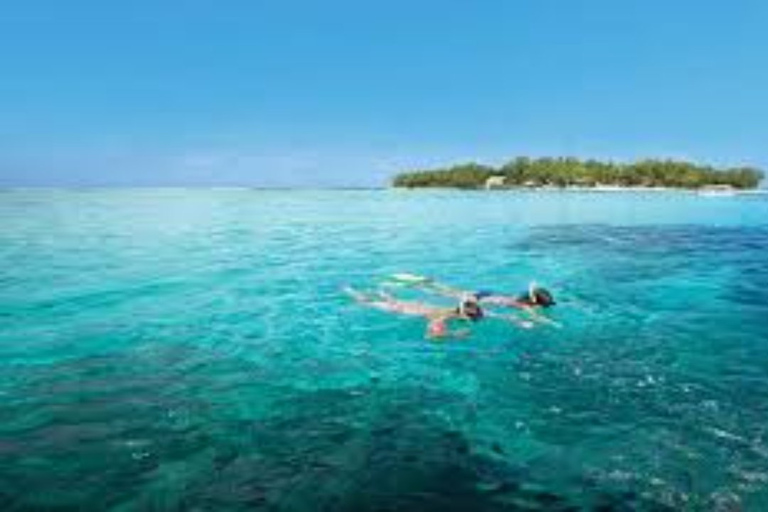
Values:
[(534, 297), (531, 302), (437, 317)]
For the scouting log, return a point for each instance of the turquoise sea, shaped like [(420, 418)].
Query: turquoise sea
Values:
[(181, 349)]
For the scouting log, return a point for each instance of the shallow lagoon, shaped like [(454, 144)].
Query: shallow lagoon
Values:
[(190, 350)]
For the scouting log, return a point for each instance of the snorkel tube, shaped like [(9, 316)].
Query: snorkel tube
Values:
[(532, 292)]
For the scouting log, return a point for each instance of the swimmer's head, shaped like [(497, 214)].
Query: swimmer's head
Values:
[(469, 308), (537, 296), (542, 297)]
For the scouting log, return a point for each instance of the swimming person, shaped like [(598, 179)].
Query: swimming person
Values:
[(534, 297), (437, 317), (530, 302)]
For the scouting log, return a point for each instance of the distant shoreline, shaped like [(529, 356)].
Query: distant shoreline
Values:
[(591, 190), (597, 189), (589, 175)]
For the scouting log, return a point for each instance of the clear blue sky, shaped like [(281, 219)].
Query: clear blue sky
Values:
[(312, 93)]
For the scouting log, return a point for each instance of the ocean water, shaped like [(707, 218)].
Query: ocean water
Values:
[(191, 350)]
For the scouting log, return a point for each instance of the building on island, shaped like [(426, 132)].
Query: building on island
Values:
[(717, 190), (495, 182)]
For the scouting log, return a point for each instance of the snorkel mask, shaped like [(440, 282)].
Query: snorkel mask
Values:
[(540, 296), (469, 308)]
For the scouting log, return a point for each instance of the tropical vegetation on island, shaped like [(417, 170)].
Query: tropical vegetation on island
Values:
[(573, 172)]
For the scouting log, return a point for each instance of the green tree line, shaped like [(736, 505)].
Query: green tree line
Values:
[(564, 172)]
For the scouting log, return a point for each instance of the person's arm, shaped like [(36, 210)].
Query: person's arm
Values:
[(519, 322), (542, 319), (441, 289)]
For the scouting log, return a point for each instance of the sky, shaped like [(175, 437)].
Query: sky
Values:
[(348, 92)]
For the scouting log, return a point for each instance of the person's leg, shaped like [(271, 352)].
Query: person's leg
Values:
[(357, 295), (388, 297), (442, 289), (373, 301)]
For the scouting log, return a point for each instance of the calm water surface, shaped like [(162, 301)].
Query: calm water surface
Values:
[(190, 350)]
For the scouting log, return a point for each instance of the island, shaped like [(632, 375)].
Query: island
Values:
[(523, 172)]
